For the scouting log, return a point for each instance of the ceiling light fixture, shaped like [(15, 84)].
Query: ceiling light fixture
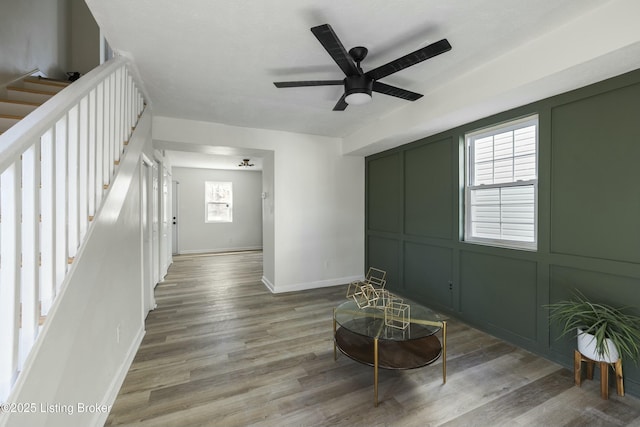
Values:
[(245, 163), (357, 90), (357, 98)]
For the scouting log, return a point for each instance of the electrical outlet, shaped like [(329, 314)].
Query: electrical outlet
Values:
[(450, 286)]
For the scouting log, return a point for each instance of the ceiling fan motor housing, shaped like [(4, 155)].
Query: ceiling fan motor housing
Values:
[(358, 84)]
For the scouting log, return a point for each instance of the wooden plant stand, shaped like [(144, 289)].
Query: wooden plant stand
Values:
[(578, 358)]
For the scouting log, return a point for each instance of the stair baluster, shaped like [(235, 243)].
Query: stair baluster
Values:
[(56, 166)]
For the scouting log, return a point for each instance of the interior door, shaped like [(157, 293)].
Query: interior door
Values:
[(174, 216), (155, 222), (165, 225)]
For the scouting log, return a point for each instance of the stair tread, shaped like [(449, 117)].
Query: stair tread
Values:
[(22, 89), (13, 101), (46, 81), (11, 116)]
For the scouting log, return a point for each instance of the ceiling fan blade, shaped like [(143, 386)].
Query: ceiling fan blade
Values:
[(410, 59), (309, 83), (395, 91), (330, 41), (341, 104)]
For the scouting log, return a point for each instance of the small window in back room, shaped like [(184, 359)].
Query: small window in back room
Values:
[(501, 188), (218, 200)]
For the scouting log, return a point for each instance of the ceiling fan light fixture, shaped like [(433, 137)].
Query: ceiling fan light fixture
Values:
[(357, 98), (357, 90), (245, 163)]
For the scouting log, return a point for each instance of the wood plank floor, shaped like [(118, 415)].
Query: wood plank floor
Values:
[(221, 350)]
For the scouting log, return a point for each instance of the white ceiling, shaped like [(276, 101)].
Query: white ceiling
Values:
[(215, 60), (188, 159)]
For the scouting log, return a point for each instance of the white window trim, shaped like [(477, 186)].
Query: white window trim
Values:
[(504, 127)]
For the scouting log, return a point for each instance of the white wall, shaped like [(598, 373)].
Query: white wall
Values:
[(195, 235), (54, 36), (268, 219), (33, 35), (317, 200), (96, 325), (84, 42)]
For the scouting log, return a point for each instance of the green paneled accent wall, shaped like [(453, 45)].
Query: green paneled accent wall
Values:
[(427, 202), (595, 207), (383, 254), (588, 220), (427, 273), (491, 280), (383, 194)]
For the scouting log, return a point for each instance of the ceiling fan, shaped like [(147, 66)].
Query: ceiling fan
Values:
[(358, 85)]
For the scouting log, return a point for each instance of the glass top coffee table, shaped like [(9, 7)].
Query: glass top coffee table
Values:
[(363, 335)]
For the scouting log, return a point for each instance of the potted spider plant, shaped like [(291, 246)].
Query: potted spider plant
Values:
[(605, 333)]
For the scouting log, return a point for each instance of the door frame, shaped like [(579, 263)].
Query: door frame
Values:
[(146, 234)]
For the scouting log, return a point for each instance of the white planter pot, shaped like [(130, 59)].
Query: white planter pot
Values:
[(587, 346)]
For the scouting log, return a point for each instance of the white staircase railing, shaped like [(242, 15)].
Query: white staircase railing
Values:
[(56, 166)]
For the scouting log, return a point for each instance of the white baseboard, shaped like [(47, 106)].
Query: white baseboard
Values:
[(268, 284), (216, 250), (112, 392), (279, 289)]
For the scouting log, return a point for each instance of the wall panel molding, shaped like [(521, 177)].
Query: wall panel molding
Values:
[(588, 219)]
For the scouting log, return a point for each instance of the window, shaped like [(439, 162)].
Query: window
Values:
[(218, 199), (501, 186)]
